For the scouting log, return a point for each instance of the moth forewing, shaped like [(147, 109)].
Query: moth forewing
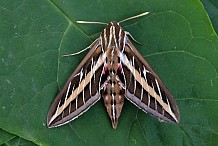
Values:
[(113, 69), (156, 99), (79, 92)]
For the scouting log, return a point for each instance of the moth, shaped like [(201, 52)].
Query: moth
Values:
[(113, 70)]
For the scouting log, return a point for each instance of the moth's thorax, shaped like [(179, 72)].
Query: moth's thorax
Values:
[(112, 36)]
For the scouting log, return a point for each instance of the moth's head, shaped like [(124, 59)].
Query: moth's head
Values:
[(112, 24)]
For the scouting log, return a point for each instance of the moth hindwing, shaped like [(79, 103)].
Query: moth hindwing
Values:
[(114, 70)]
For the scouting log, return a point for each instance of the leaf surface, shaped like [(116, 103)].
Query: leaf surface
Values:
[(177, 40)]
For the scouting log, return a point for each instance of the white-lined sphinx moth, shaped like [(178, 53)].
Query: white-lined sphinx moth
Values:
[(113, 69)]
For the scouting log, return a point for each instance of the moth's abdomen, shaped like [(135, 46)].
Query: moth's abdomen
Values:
[(113, 95)]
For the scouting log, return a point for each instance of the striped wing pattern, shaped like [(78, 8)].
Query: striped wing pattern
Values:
[(144, 87), (80, 92)]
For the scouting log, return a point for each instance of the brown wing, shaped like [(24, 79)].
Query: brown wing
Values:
[(80, 92), (144, 88)]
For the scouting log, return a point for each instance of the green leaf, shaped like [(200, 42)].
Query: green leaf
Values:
[(8, 139), (18, 142), (5, 136), (177, 40), (212, 10)]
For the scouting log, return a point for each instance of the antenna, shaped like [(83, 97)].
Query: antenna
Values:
[(93, 22), (133, 17)]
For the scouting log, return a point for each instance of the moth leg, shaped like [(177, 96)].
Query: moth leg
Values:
[(89, 47), (132, 37)]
